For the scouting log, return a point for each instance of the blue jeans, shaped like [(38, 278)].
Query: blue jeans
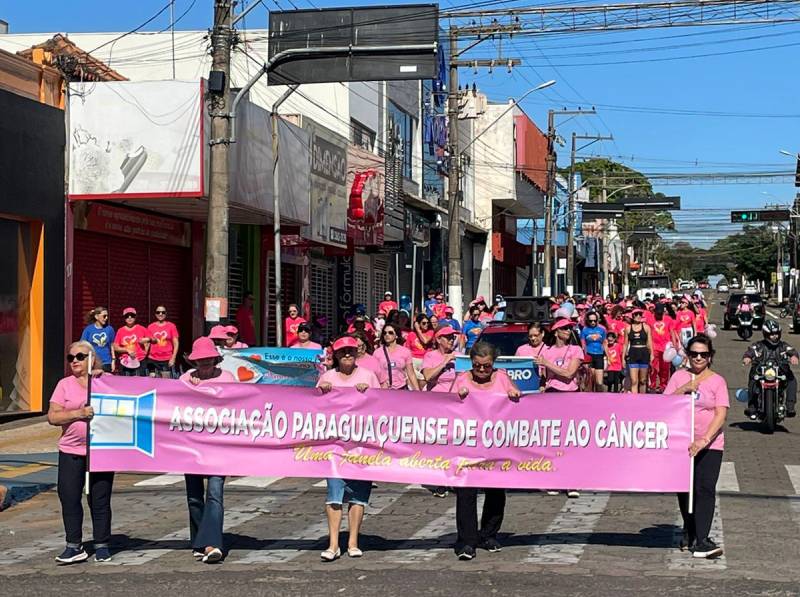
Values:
[(206, 510)]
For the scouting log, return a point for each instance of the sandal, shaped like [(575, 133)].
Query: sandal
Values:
[(330, 556), (354, 552)]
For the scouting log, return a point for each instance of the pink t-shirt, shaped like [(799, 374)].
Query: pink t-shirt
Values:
[(434, 358), (387, 307), (614, 354), (290, 326), (70, 395), (711, 393), (662, 333), (369, 361), (416, 347), (684, 319), (617, 326), (526, 350), (128, 338), (161, 337), (561, 357), (313, 345), (358, 376), (238, 344), (399, 358), (500, 384), (224, 377)]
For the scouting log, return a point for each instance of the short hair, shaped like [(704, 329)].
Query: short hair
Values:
[(483, 349), (535, 325), (97, 364)]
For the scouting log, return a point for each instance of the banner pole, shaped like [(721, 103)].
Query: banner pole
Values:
[(88, 424), (691, 470)]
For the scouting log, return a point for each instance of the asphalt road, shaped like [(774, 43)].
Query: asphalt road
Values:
[(599, 544)]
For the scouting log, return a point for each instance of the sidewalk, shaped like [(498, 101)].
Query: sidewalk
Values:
[(28, 459)]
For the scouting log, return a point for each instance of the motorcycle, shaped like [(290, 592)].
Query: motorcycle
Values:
[(770, 384), (745, 327)]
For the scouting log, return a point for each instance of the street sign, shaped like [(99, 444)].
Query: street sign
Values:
[(369, 26), (650, 203), (602, 211), (760, 215)]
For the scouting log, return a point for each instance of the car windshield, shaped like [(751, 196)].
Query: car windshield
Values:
[(506, 343), (653, 282)]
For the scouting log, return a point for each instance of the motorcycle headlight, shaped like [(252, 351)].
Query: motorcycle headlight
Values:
[(770, 374)]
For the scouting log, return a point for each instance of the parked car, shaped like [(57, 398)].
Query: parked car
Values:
[(722, 287), (735, 285), (703, 285), (686, 285), (729, 319)]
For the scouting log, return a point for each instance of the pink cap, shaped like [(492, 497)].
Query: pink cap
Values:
[(231, 330), (445, 331), (562, 323), (345, 342), (127, 310), (449, 309), (203, 348), (218, 332)]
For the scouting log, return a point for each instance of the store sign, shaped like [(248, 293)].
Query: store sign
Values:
[(328, 177), (131, 224), (345, 268), (366, 181)]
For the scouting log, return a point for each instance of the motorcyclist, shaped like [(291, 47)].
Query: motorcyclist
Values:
[(771, 348), (744, 306)]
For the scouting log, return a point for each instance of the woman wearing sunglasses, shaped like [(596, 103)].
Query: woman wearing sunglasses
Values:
[(420, 340), (304, 338), (439, 366), (396, 369), (483, 378), (345, 374), (69, 410), (100, 335), (131, 344), (711, 404), (164, 344)]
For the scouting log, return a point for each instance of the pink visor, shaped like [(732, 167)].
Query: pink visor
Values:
[(562, 323), (345, 342), (231, 330), (445, 331)]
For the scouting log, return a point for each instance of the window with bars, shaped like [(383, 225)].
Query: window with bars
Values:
[(322, 295), (361, 136), (361, 287), (380, 282)]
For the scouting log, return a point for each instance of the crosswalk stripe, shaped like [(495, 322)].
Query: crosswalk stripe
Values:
[(410, 552), (283, 551), (794, 476), (566, 537), (323, 483), (727, 478), (683, 560), (160, 480), (260, 482), (234, 517)]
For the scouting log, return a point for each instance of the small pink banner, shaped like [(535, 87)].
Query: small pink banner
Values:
[(604, 442)]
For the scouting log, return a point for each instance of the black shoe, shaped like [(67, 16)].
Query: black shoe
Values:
[(72, 555), (102, 554), (790, 413), (465, 553), (687, 542), (491, 545), (706, 549)]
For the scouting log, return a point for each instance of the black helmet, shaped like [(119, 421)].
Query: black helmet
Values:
[(769, 328)]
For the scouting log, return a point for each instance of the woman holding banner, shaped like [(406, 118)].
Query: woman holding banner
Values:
[(364, 356), (204, 493), (483, 377), (711, 403), (345, 374), (396, 369), (70, 411), (562, 360), (439, 366)]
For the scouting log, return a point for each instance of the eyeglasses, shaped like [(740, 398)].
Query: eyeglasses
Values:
[(482, 366), (161, 312), (78, 356), (694, 354)]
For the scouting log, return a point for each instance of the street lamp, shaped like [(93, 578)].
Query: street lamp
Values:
[(789, 153)]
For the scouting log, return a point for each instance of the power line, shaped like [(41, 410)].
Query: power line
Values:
[(147, 22)]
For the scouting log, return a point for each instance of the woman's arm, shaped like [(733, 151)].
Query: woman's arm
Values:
[(411, 375), (431, 374), (569, 371), (701, 443), (649, 338), (57, 415)]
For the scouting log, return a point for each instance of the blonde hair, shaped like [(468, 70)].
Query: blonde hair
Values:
[(97, 364)]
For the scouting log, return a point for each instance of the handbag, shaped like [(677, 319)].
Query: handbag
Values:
[(388, 364)]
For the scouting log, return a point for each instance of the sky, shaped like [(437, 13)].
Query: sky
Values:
[(670, 106)]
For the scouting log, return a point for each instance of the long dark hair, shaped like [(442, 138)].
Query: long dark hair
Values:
[(361, 335), (398, 336)]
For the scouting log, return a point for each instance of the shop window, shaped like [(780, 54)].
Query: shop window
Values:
[(403, 125), (361, 136)]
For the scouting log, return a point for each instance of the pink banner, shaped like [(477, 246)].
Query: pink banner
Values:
[(610, 442)]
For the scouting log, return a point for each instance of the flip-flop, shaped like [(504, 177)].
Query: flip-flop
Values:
[(354, 552), (330, 556)]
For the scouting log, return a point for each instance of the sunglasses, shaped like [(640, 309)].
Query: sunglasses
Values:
[(482, 367), (591, 321), (78, 356), (130, 316), (347, 353), (161, 312), (389, 333), (694, 354), (450, 337)]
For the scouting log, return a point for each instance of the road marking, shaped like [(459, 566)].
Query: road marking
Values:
[(323, 483), (11, 472), (727, 478), (771, 314), (286, 550), (260, 482), (234, 517), (566, 538), (794, 477), (683, 560), (160, 480), (410, 552)]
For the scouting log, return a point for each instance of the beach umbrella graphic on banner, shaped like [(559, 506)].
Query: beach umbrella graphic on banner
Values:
[(124, 422)]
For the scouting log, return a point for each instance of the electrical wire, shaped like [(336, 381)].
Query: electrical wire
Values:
[(147, 22)]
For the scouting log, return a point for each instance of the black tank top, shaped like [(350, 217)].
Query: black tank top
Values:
[(637, 339)]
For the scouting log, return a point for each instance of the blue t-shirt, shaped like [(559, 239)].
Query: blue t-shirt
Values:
[(429, 306), (594, 338), (451, 322), (101, 339), (471, 337)]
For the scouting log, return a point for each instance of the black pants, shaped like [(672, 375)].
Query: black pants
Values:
[(706, 472), (467, 515), (614, 381), (71, 476)]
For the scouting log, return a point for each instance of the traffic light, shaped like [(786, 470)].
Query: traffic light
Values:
[(744, 217), (760, 215)]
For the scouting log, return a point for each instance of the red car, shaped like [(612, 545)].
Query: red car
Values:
[(704, 285)]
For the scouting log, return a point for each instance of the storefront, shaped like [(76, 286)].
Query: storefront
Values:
[(31, 253)]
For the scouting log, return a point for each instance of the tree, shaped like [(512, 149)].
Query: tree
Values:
[(752, 252)]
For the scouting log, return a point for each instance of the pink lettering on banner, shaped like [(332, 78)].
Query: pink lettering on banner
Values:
[(603, 442)]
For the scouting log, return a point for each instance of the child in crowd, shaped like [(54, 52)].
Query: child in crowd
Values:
[(614, 356)]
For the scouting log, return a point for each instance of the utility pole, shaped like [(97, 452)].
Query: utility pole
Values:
[(454, 275), (550, 197), (606, 248), (572, 206), (216, 279)]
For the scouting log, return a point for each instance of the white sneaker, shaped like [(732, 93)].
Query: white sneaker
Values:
[(573, 493)]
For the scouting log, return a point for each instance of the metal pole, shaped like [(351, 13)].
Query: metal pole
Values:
[(571, 222), (779, 271), (606, 247), (453, 184), (216, 279), (547, 289), (413, 278), (276, 215)]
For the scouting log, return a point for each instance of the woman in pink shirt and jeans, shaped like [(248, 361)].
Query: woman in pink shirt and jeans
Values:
[(483, 378), (69, 410), (711, 404)]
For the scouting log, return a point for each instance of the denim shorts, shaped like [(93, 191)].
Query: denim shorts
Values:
[(353, 492)]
